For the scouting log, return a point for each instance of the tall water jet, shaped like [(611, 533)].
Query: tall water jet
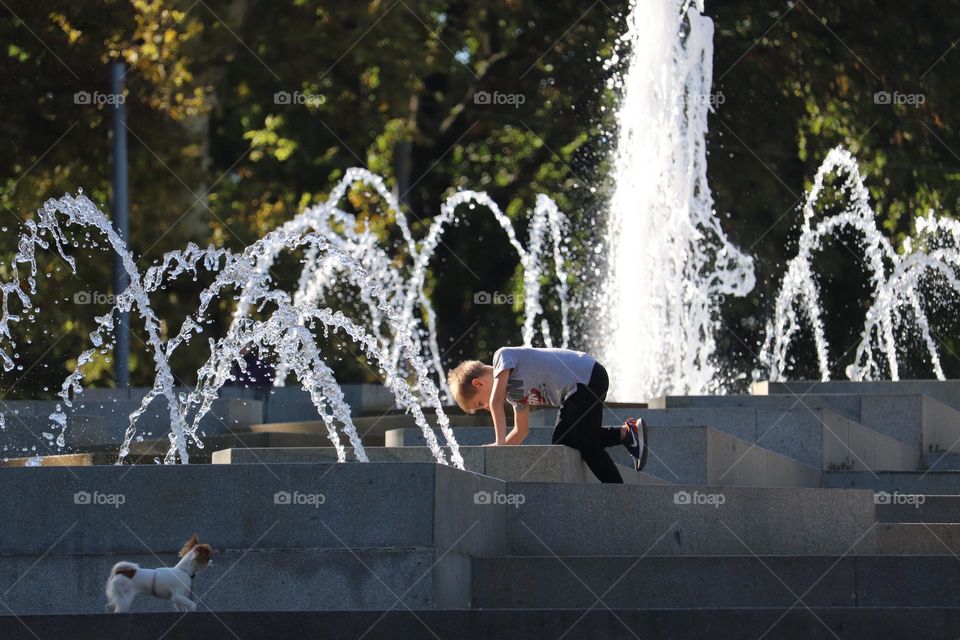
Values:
[(927, 260), (668, 259)]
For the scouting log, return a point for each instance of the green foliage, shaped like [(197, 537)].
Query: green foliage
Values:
[(798, 79), (218, 155)]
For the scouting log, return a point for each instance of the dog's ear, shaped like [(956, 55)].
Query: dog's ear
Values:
[(202, 553), (190, 544)]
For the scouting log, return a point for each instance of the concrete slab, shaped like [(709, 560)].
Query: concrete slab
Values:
[(946, 391), (293, 404), (918, 539), (99, 423), (734, 581), (526, 463), (84, 510), (687, 520), (239, 580), (599, 623), (942, 461), (848, 406), (816, 437), (896, 482), (916, 420), (680, 454), (933, 508)]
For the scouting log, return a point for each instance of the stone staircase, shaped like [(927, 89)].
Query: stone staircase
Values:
[(805, 510)]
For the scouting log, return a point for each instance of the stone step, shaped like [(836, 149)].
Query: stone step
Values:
[(92, 423), (280, 404), (946, 391), (278, 438), (249, 580), (526, 463), (121, 510), (918, 539), (797, 623), (847, 406), (682, 454), (305, 580), (941, 461), (817, 437), (152, 451), (896, 482), (293, 403), (94, 458), (709, 582), (921, 422), (592, 520), (908, 508), (374, 427)]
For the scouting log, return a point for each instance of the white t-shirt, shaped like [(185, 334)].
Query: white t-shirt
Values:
[(542, 377)]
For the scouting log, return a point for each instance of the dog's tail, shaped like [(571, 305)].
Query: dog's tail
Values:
[(127, 569), (120, 583)]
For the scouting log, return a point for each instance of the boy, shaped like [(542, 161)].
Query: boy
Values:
[(571, 380)]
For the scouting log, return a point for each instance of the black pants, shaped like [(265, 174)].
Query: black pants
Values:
[(579, 426)]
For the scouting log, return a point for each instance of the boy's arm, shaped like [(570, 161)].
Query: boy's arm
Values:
[(521, 426), (497, 396)]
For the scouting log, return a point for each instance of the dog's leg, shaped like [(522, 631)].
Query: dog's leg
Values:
[(124, 600), (185, 602)]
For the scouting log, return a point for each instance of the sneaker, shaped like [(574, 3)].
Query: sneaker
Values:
[(636, 442)]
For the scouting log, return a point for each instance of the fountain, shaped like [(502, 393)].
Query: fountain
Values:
[(669, 264), (334, 250), (669, 260), (895, 276)]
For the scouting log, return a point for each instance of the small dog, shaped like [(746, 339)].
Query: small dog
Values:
[(127, 579)]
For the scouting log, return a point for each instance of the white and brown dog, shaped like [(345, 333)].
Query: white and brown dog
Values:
[(172, 583)]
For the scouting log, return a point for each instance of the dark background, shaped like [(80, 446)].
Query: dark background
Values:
[(213, 158)]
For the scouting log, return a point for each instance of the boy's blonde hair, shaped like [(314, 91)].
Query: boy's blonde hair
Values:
[(460, 380)]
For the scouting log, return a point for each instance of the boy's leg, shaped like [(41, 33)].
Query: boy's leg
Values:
[(602, 465), (579, 423), (591, 432)]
